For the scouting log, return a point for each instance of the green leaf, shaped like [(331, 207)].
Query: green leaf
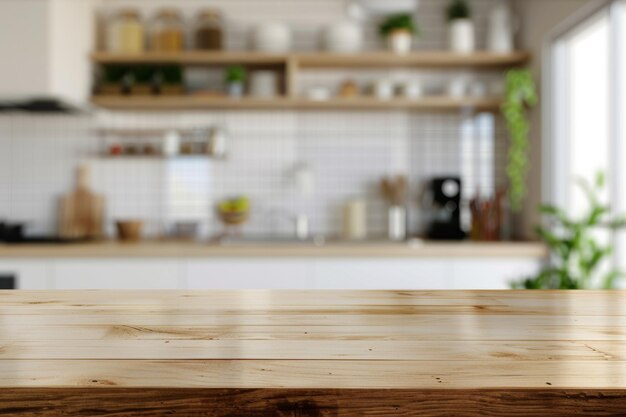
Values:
[(576, 256), (520, 92), (596, 215), (608, 282), (617, 223), (556, 212)]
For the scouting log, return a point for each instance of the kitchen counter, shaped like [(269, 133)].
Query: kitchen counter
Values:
[(157, 249), (312, 353)]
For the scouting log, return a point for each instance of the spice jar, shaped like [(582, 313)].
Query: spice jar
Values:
[(167, 33), (125, 33), (209, 31)]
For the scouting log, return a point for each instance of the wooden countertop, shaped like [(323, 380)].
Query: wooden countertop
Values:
[(316, 339), (157, 249), (315, 348)]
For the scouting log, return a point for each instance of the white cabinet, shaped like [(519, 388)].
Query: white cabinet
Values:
[(382, 273), (117, 274), (29, 274), (250, 273), (305, 273), (491, 273), (44, 46), (269, 273)]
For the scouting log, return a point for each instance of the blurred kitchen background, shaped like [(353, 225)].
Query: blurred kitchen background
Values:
[(289, 124)]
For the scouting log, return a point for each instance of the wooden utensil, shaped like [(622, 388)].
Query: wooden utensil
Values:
[(394, 189), (81, 212), (487, 214)]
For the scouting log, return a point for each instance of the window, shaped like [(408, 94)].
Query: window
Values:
[(586, 112)]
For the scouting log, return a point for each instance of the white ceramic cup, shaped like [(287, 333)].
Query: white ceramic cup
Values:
[(412, 90), (383, 89), (457, 87)]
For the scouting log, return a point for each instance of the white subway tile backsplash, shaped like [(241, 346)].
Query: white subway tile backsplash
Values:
[(348, 153)]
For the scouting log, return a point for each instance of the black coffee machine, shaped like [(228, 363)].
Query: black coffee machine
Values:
[(444, 202)]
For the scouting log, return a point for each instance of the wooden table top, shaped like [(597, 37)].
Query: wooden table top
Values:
[(313, 339), (331, 249)]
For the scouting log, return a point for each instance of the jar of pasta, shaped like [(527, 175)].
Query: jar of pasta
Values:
[(125, 33), (168, 33)]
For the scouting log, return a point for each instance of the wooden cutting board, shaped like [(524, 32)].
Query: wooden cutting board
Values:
[(81, 212)]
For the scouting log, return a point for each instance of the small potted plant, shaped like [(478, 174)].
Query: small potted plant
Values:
[(143, 81), (171, 83), (235, 79), (399, 31), (113, 80), (460, 27)]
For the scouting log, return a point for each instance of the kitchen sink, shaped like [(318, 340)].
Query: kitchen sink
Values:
[(319, 240), (269, 240)]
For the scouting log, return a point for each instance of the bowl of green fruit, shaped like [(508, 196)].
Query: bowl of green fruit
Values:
[(234, 211)]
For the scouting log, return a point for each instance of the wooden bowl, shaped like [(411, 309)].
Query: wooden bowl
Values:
[(129, 230), (235, 218)]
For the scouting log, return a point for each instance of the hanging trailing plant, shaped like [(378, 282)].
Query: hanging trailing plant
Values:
[(520, 94)]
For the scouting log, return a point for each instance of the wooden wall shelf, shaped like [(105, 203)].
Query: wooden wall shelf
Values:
[(440, 59), (199, 102), (291, 64)]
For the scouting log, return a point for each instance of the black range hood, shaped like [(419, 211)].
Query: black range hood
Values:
[(38, 105)]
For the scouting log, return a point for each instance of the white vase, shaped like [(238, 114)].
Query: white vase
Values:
[(272, 37), (400, 41), (343, 37), (461, 36), (501, 27), (396, 229)]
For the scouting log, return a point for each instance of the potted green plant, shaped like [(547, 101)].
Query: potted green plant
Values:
[(143, 80), (235, 79), (171, 80), (399, 31), (460, 27), (576, 255), (113, 80)]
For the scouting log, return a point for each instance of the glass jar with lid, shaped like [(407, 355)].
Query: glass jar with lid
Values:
[(168, 34), (125, 32), (209, 31)]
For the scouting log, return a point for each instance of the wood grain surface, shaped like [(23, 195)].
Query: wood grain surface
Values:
[(319, 353), (159, 249), (149, 402), (434, 103), (440, 59)]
